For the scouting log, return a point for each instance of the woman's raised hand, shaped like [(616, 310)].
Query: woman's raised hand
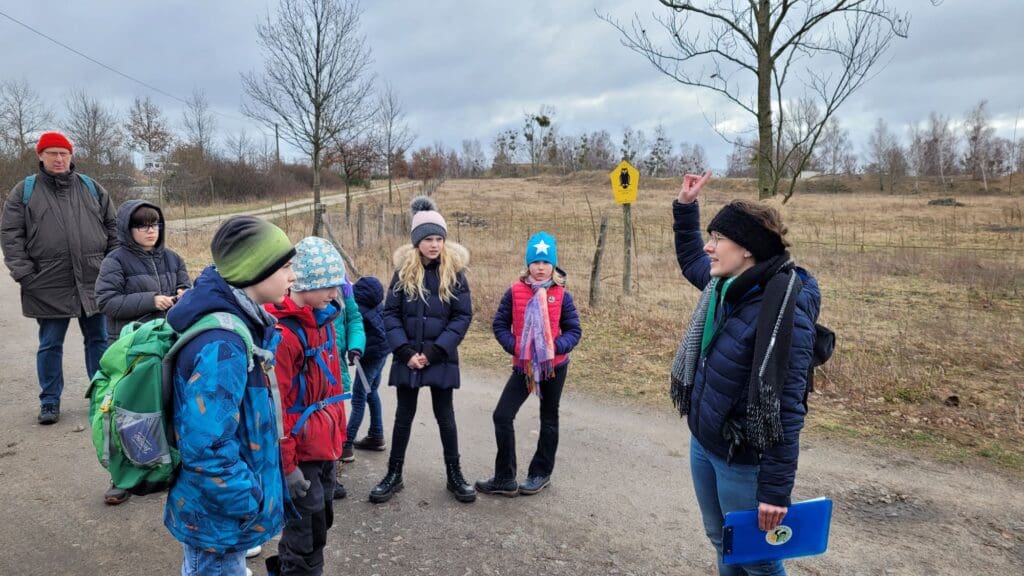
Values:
[(692, 185)]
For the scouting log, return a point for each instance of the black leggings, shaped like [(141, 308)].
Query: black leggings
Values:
[(512, 398), (444, 413)]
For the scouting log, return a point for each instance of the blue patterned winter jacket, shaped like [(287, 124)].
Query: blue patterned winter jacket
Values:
[(229, 494)]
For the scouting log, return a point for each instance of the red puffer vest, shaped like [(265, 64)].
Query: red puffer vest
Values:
[(521, 294)]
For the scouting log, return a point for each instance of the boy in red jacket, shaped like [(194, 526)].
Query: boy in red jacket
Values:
[(309, 375)]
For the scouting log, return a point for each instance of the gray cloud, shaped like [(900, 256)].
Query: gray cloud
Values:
[(467, 69)]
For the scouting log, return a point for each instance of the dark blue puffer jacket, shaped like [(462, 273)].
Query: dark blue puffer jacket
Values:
[(130, 276), (422, 325), (721, 384), (369, 295)]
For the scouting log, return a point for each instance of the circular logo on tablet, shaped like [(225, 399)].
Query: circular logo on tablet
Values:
[(779, 536)]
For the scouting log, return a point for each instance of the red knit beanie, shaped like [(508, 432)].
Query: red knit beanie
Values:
[(53, 140)]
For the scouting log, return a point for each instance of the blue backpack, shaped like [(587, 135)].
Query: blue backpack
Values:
[(316, 353), (30, 184)]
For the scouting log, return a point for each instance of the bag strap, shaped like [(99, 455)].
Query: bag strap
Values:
[(30, 185)]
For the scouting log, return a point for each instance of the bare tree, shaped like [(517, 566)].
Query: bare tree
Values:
[(355, 160), (22, 113), (473, 160), (634, 145), (835, 152), (536, 132), (92, 127), (199, 123), (146, 126), (316, 83), (506, 152), (692, 159), (240, 147), (754, 53), (658, 161), (979, 137), (393, 132), (880, 145)]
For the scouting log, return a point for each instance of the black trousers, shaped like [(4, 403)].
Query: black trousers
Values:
[(512, 398), (301, 549), (444, 413)]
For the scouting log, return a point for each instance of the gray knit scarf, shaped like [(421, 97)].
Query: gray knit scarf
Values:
[(763, 427)]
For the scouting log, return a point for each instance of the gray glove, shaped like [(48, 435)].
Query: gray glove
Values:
[(297, 484)]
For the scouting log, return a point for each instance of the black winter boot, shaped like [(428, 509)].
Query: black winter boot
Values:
[(457, 485), (391, 483)]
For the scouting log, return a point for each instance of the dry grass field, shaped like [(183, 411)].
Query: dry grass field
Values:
[(927, 301)]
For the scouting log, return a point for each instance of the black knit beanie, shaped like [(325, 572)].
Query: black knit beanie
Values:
[(739, 226)]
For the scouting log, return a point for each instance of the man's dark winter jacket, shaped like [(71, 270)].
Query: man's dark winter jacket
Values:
[(54, 244), (721, 383), (130, 277)]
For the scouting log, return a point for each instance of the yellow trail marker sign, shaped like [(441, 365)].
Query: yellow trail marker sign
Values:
[(625, 181)]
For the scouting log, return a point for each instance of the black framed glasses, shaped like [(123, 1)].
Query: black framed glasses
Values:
[(148, 227)]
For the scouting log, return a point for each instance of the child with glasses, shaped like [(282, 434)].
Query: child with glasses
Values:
[(138, 281)]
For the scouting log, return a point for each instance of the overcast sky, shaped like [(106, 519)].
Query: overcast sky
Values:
[(468, 68)]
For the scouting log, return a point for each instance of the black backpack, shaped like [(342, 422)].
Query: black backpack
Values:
[(824, 346)]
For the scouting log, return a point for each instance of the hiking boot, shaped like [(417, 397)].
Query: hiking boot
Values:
[(49, 414), (115, 496), (534, 484), (273, 565), (497, 487), (375, 443), (339, 491), (457, 485), (253, 552), (391, 484), (347, 455)]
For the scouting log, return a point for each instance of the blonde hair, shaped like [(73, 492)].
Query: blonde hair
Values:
[(557, 276), (411, 273)]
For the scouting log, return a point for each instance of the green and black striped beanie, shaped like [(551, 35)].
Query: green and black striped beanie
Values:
[(247, 250)]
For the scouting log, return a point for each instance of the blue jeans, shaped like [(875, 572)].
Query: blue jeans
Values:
[(199, 562), (723, 488), (50, 357), (360, 398)]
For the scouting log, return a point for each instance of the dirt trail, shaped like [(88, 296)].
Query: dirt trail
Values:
[(295, 207), (620, 501)]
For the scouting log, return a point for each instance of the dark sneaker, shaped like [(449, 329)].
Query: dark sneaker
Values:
[(347, 455), (49, 414), (375, 443), (115, 496), (534, 484), (339, 491), (497, 487)]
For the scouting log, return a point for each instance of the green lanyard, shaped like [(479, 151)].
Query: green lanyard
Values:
[(717, 301)]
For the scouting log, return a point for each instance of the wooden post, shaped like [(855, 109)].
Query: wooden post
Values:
[(627, 265), (380, 222), (360, 225), (595, 270)]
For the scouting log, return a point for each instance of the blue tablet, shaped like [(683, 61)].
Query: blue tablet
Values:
[(803, 532)]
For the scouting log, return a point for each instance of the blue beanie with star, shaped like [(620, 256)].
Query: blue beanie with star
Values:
[(541, 247)]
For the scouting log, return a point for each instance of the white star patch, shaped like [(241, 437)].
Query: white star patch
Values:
[(541, 247)]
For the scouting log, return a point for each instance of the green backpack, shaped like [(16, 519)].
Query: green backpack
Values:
[(131, 399)]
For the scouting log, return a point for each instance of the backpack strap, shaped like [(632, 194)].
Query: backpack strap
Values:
[(26, 190), (316, 353), (30, 185), (90, 185)]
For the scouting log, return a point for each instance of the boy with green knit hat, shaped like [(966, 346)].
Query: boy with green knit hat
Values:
[(229, 495)]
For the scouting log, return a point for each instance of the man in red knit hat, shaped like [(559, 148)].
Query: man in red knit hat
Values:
[(57, 226)]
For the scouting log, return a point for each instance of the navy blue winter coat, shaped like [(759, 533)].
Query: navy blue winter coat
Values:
[(721, 383), (424, 325), (130, 277), (369, 295)]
